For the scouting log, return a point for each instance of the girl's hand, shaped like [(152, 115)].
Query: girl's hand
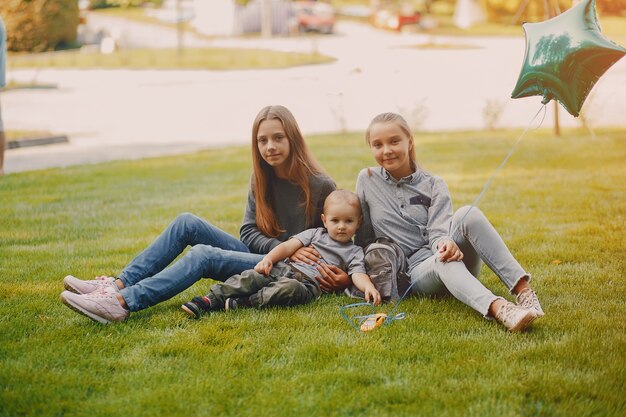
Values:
[(372, 295), (264, 267), (306, 254), (449, 251), (332, 278)]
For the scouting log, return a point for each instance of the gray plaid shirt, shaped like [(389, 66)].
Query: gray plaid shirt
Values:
[(414, 211)]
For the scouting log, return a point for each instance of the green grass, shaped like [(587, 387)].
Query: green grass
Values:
[(560, 204), (12, 135), (191, 58)]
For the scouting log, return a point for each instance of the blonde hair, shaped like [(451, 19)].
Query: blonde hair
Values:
[(343, 196), (300, 166), (402, 124)]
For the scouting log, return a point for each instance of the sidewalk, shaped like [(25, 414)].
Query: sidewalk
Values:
[(118, 114)]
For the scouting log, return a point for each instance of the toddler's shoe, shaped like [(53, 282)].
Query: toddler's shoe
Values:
[(197, 306), (528, 299), (235, 303), (101, 306), (515, 318), (78, 286)]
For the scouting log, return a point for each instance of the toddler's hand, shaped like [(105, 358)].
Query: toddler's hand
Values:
[(264, 267), (372, 295)]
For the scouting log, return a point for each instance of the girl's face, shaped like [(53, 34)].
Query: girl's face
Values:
[(390, 147), (273, 145)]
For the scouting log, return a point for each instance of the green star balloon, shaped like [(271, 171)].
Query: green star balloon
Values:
[(565, 56)]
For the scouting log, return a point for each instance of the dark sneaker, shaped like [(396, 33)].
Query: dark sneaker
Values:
[(101, 306), (528, 299), (78, 286), (514, 317), (235, 303), (197, 306)]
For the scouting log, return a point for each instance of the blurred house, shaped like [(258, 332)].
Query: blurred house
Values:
[(228, 18)]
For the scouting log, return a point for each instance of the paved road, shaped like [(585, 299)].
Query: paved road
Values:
[(113, 114)]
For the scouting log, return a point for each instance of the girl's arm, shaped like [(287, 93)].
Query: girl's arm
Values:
[(363, 283), (440, 222), (280, 252), (250, 234), (439, 215), (365, 233)]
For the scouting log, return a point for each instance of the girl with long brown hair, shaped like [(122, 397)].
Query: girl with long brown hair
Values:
[(286, 196)]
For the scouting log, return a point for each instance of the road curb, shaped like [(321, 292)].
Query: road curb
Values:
[(27, 142)]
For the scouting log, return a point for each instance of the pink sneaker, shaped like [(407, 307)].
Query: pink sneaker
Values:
[(78, 286), (101, 306)]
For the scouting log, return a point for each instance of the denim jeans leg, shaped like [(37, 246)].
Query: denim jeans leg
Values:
[(185, 230), (477, 238), (433, 277), (201, 261)]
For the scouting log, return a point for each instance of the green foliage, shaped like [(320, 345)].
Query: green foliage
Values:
[(559, 203), (612, 7), (39, 25), (535, 10)]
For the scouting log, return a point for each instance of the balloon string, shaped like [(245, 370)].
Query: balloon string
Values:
[(482, 192), (390, 316)]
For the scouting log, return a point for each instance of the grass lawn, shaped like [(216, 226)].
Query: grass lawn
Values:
[(560, 204), (191, 58), (12, 135)]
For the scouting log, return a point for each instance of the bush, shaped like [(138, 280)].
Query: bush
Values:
[(611, 7), (39, 25), (503, 10)]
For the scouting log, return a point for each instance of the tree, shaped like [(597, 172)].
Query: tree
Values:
[(39, 25)]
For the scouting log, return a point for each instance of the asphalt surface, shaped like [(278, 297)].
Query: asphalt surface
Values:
[(130, 114)]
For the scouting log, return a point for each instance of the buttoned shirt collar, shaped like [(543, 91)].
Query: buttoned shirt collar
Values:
[(410, 179)]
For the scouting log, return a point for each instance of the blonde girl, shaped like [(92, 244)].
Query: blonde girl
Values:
[(414, 208)]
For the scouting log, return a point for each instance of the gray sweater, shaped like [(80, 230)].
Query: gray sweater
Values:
[(415, 211), (288, 203)]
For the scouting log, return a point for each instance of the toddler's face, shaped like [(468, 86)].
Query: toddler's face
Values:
[(341, 220)]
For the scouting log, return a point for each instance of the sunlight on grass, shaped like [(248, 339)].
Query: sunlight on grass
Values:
[(191, 58), (557, 199)]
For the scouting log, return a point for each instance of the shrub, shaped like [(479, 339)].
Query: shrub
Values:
[(611, 7), (534, 10), (39, 25)]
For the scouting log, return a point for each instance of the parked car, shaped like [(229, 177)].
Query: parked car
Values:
[(395, 18), (313, 16)]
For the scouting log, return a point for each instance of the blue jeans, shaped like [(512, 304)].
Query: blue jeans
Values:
[(479, 242), (214, 254)]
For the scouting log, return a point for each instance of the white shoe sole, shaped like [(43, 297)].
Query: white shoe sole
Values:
[(524, 323), (80, 310)]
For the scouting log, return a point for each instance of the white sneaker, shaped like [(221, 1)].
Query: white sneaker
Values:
[(78, 286), (101, 306), (515, 318), (528, 299)]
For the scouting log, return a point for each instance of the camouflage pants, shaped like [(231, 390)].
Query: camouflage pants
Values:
[(284, 286)]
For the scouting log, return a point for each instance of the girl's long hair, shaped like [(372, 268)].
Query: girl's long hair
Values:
[(402, 124), (301, 165)]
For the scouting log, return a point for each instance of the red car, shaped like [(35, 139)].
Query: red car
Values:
[(395, 18), (314, 17)]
